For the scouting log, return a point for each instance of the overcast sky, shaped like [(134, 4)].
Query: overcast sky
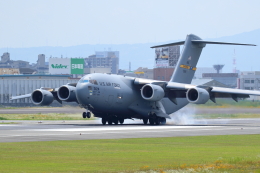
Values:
[(33, 23)]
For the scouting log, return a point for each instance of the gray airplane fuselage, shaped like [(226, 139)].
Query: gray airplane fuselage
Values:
[(107, 95)]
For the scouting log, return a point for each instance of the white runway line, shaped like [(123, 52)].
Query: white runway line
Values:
[(178, 130), (4, 125), (123, 128), (124, 132)]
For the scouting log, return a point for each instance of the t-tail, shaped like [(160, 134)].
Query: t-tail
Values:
[(186, 65)]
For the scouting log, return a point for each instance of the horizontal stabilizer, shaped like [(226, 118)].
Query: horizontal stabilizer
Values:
[(170, 44), (201, 42), (213, 42)]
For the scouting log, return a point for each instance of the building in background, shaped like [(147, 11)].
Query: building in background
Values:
[(163, 74), (141, 72), (208, 82), (229, 79), (27, 71), (166, 59), (201, 70), (104, 59), (97, 70), (15, 85), (68, 66), (249, 80), (167, 56), (6, 62), (41, 66), (11, 71)]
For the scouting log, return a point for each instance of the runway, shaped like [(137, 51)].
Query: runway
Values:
[(92, 129), (76, 110)]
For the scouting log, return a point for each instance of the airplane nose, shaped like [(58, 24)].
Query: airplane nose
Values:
[(82, 93)]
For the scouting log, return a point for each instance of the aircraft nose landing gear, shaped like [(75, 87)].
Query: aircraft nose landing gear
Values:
[(86, 115)]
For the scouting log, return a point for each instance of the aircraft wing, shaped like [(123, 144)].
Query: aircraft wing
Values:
[(180, 86), (51, 90), (215, 92), (178, 90), (20, 97), (45, 96)]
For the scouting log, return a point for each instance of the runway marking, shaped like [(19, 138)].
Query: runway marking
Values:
[(122, 132), (8, 125), (125, 128), (39, 135), (177, 130)]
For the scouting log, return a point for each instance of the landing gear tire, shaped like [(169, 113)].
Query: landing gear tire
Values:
[(104, 121), (110, 121), (121, 120), (115, 120), (163, 121), (145, 120), (84, 114), (88, 114), (151, 121), (157, 121)]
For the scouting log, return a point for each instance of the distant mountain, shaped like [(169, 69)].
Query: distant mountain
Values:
[(247, 57), (141, 55)]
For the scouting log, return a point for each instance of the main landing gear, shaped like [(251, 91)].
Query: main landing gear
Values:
[(86, 114), (157, 121), (112, 120), (153, 119)]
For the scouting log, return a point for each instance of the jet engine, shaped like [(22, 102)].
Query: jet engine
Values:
[(42, 97), (67, 93), (197, 95), (152, 92)]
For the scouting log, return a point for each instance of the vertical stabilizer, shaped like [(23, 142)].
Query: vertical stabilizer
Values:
[(186, 66)]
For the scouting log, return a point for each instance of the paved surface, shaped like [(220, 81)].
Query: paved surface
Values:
[(84, 130)]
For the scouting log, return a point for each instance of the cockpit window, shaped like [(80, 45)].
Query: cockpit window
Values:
[(81, 80), (93, 81), (84, 80)]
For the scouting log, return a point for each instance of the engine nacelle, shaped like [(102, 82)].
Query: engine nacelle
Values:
[(42, 97), (152, 92), (197, 95), (67, 93)]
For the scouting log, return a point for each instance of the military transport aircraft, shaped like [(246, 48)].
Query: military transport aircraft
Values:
[(115, 98)]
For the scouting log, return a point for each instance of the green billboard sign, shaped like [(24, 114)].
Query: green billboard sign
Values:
[(77, 66)]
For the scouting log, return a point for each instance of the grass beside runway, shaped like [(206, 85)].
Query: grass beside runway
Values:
[(43, 116), (232, 153)]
